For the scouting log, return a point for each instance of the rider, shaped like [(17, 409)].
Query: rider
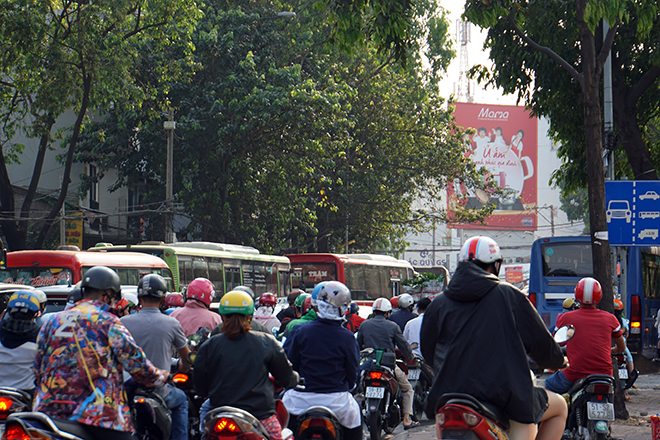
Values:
[(568, 305), (411, 332), (196, 313), (405, 311), (232, 367), (478, 321), (264, 314), (290, 312), (304, 312), (18, 341), (380, 332), (157, 345), (326, 355), (81, 355), (590, 350), (353, 318)]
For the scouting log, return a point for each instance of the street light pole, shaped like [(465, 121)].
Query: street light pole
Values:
[(169, 125)]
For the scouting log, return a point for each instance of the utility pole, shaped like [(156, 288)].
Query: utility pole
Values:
[(552, 219), (169, 125), (62, 222)]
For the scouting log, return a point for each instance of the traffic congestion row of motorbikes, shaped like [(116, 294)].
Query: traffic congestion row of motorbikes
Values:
[(458, 416)]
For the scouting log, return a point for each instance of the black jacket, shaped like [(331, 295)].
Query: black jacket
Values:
[(235, 372), (477, 334)]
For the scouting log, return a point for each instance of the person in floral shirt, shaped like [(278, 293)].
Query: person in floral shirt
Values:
[(81, 355)]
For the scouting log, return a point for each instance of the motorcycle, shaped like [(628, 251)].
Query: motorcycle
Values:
[(628, 378), (420, 376), (318, 422), (229, 423), (382, 395), (152, 418), (12, 400)]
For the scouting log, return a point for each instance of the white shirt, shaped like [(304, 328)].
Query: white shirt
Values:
[(411, 333)]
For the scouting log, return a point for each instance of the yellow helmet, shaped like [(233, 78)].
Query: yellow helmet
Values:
[(236, 301), (568, 303)]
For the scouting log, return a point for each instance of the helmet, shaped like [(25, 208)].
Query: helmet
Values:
[(618, 304), (236, 301), (174, 299), (101, 278), (406, 301), (245, 289), (75, 295), (291, 297), (131, 298), (335, 293), (569, 303), (300, 301), (307, 305), (353, 309), (480, 248), (317, 289), (41, 296), (152, 285), (588, 291), (382, 304), (267, 299), (202, 290), (395, 302), (23, 301)]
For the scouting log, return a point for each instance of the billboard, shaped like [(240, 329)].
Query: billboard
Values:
[(506, 143)]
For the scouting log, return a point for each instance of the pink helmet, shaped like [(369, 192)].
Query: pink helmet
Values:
[(202, 290), (267, 299)]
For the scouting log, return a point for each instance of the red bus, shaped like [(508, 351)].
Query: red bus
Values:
[(368, 276)]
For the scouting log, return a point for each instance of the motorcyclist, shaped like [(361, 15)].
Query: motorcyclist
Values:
[(232, 368), (568, 305), (81, 355), (413, 327), (380, 332), (157, 333), (304, 312), (290, 312), (590, 350), (264, 313), (405, 311), (353, 318), (477, 334), (196, 313), (173, 301), (128, 304), (326, 355), (43, 302), (18, 341)]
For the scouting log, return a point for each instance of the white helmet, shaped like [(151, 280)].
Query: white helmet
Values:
[(480, 248), (382, 304), (335, 293), (130, 296), (405, 301)]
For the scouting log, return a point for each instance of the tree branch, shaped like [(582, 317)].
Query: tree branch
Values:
[(545, 50), (643, 84)]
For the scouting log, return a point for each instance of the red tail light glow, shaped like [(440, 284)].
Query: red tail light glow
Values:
[(15, 432), (318, 423), (635, 311), (532, 299), (180, 378), (226, 426), (141, 400), (375, 374), (600, 388), (5, 404), (455, 417)]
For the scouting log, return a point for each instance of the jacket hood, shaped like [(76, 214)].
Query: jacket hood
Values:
[(470, 283)]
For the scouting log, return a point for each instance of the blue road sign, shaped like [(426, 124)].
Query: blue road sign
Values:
[(633, 212)]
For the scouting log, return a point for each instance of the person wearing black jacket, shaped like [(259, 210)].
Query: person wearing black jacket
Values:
[(477, 334)]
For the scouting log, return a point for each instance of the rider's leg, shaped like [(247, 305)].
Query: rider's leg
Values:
[(553, 421), (522, 431), (406, 395)]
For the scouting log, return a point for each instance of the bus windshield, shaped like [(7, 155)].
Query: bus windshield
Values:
[(37, 276), (308, 275), (567, 259)]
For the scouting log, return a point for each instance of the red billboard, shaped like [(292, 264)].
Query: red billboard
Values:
[(506, 143)]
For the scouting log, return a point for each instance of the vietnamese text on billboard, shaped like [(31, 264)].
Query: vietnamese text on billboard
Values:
[(506, 143)]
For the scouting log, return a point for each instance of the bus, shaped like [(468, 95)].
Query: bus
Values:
[(558, 263), (56, 272), (368, 276), (225, 265)]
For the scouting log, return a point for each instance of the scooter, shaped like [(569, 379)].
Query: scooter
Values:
[(229, 423), (12, 400), (628, 378), (318, 422), (153, 420), (382, 395), (420, 376)]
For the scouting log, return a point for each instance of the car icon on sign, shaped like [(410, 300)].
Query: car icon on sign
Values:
[(618, 210), (649, 195), (649, 214), (648, 233)]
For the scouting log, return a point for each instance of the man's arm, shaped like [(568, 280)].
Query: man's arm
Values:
[(403, 345), (620, 345), (280, 366), (539, 343)]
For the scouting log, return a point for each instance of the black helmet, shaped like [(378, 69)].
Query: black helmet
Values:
[(101, 278), (152, 285), (75, 295), (245, 289)]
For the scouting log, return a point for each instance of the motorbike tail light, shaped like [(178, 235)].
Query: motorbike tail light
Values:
[(180, 378), (226, 426), (141, 400), (375, 374), (457, 417), (5, 404), (635, 311), (600, 388), (15, 432), (318, 422), (532, 299)]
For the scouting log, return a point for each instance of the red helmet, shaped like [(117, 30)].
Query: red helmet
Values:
[(267, 299), (174, 299), (618, 304), (588, 291), (307, 305), (395, 302), (202, 290)]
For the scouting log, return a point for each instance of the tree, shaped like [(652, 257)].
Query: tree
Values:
[(71, 56)]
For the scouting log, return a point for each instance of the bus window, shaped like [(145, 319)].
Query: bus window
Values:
[(567, 259), (248, 274), (129, 276), (355, 280), (651, 275), (216, 274), (377, 282), (306, 276), (185, 270), (37, 276), (200, 268), (232, 277)]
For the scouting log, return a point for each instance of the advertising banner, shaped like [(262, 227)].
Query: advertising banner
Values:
[(506, 143), (74, 229)]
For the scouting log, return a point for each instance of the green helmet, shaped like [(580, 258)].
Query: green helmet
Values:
[(301, 299), (236, 301)]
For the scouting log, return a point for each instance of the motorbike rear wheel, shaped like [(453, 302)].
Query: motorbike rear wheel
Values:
[(419, 399), (375, 424)]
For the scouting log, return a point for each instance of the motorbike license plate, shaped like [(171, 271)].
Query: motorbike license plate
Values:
[(414, 374), (374, 393), (623, 373), (600, 411)]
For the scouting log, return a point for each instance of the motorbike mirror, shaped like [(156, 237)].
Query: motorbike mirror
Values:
[(564, 334)]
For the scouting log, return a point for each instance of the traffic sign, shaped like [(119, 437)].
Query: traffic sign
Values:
[(633, 212)]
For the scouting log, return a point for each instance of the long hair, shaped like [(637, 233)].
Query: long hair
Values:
[(235, 324)]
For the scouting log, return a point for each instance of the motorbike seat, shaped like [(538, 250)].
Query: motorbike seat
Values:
[(581, 383), (318, 411), (483, 408), (77, 429)]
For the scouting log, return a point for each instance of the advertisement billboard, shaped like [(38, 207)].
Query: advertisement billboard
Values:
[(505, 143)]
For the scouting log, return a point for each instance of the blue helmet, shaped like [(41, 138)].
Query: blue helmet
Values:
[(317, 289), (23, 301)]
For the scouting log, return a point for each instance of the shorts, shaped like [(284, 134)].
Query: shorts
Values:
[(540, 404), (558, 383)]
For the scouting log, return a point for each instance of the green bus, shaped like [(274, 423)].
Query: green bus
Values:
[(226, 265)]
